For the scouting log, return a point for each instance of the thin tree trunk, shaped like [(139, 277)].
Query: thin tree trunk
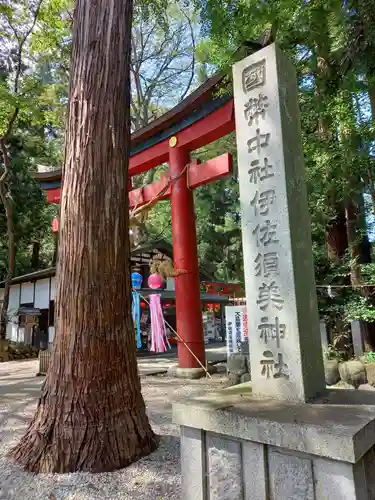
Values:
[(336, 237), (7, 201), (353, 240), (371, 93), (56, 248), (35, 255), (365, 245), (91, 415), (371, 189)]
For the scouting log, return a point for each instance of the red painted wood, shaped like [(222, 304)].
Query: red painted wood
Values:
[(222, 288), (199, 134), (212, 170), (54, 195), (185, 256), (212, 127), (149, 158), (209, 129), (141, 196), (199, 174)]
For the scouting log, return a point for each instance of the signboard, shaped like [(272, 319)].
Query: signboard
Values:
[(236, 326)]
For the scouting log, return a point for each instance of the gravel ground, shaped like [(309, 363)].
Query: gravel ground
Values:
[(155, 477)]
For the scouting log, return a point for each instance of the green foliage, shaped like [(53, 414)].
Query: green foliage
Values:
[(335, 72), (369, 357), (333, 353), (25, 118), (218, 218), (360, 308), (32, 214), (332, 44)]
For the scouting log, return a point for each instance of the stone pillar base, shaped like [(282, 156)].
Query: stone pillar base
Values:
[(236, 447), (190, 373), (4, 350)]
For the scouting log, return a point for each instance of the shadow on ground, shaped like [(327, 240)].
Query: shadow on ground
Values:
[(154, 477)]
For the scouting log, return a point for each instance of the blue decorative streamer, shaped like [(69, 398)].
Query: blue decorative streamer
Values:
[(136, 310)]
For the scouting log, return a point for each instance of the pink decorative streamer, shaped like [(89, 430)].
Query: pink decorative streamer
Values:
[(159, 340)]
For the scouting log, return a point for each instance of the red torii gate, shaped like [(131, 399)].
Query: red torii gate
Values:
[(182, 177), (176, 151), (180, 180)]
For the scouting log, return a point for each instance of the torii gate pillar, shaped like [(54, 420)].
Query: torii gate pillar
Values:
[(185, 256)]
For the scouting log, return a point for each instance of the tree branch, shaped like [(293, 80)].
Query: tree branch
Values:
[(22, 42), (182, 97), (5, 194)]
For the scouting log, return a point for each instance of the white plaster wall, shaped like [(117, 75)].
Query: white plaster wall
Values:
[(14, 295), (12, 329), (27, 293), (14, 299), (9, 330), (42, 294), (51, 334), (53, 288), (21, 334)]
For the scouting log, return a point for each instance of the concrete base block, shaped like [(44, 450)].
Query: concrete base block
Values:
[(255, 449), (190, 373), (193, 463)]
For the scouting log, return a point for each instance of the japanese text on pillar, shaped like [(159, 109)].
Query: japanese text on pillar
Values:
[(269, 301)]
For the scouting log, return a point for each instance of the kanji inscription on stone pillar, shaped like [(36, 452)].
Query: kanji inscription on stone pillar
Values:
[(285, 349)]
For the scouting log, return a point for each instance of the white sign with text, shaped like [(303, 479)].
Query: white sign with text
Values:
[(236, 327)]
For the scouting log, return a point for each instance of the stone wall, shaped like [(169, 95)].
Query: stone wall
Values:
[(12, 352), (232, 469), (238, 368), (237, 447), (353, 374)]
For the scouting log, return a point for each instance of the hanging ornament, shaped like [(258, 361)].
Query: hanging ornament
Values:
[(159, 340), (155, 281), (137, 280)]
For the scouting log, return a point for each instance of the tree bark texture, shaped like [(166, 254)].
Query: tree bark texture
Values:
[(353, 240), (7, 201), (336, 237), (55, 249), (35, 255), (91, 415)]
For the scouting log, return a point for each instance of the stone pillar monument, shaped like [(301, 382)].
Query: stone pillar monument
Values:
[(279, 273), (283, 436)]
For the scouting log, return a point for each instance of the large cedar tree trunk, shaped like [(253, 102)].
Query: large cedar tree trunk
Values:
[(91, 415), (336, 237)]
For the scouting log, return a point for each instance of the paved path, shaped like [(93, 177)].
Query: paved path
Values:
[(152, 478), (153, 364)]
